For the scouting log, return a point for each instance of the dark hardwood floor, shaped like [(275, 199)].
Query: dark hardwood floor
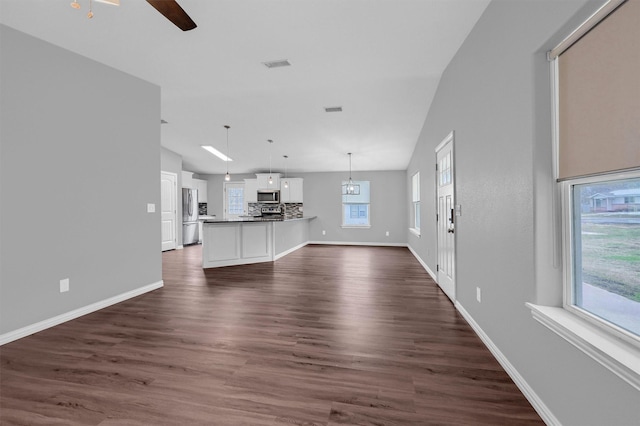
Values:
[(328, 335)]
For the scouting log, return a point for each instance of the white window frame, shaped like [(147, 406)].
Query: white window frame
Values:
[(225, 200), (569, 256), (415, 203), (342, 205), (586, 332)]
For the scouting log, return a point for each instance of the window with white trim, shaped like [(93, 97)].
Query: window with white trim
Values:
[(598, 97), (233, 199), (355, 207), (415, 200), (597, 164), (603, 250)]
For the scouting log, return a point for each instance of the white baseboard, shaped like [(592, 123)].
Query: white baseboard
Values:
[(76, 313), (357, 243), (291, 250), (532, 397), (180, 247), (424, 265)]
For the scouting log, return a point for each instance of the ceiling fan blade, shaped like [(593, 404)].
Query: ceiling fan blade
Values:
[(173, 12)]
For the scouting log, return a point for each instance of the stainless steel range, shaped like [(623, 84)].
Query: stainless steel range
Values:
[(271, 212)]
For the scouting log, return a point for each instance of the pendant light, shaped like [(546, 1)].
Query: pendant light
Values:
[(90, 14), (227, 177), (350, 188), (270, 152), (286, 182)]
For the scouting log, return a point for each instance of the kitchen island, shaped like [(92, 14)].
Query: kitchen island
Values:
[(227, 242)]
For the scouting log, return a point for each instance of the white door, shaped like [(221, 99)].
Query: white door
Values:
[(233, 200), (446, 218), (168, 203)]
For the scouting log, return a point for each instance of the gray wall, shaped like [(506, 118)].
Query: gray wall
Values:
[(495, 94), (172, 162), (388, 210), (322, 198), (79, 162)]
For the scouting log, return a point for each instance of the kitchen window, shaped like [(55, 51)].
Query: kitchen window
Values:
[(355, 207), (234, 199), (597, 167)]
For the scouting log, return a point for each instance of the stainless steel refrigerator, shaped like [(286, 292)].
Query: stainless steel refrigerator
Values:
[(189, 216)]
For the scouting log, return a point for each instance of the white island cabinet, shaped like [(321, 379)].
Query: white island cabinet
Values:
[(240, 242)]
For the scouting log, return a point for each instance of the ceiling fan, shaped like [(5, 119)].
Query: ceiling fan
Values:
[(170, 9), (173, 12)]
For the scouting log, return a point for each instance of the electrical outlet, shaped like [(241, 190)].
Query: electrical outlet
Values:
[(387, 233), (324, 232), (64, 285), (478, 295), (151, 208)]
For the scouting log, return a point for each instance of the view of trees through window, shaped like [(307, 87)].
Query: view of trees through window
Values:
[(607, 250)]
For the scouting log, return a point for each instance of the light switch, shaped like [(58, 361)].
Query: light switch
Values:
[(151, 208)]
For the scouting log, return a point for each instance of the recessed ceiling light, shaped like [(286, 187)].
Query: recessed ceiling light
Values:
[(333, 109), (216, 152), (278, 63)]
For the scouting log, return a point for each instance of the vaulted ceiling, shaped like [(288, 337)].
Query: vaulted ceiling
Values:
[(380, 60)]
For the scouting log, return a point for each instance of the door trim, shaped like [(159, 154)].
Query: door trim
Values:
[(450, 138), (175, 207)]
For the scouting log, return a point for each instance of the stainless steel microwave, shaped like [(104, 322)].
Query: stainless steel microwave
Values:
[(269, 196)]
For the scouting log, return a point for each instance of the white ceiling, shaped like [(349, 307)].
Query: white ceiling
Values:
[(381, 60)]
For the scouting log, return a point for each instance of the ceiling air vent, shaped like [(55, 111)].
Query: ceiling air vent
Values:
[(277, 64), (333, 109), (163, 121)]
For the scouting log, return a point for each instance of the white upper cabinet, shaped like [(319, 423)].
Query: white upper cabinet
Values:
[(250, 191), (187, 179), (292, 194), (263, 180), (201, 186)]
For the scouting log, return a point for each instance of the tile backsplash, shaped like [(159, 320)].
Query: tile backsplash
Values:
[(291, 210)]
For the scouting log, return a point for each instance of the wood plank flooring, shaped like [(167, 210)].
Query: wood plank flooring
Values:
[(328, 335)]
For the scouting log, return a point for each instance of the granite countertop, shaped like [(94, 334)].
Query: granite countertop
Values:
[(256, 219)]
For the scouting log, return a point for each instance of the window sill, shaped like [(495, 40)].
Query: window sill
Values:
[(620, 357), (356, 226), (415, 232)]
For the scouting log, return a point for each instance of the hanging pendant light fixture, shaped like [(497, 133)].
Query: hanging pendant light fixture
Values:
[(90, 14), (270, 152), (286, 182), (227, 177), (350, 188)]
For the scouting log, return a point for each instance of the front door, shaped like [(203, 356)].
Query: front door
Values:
[(446, 218), (168, 202)]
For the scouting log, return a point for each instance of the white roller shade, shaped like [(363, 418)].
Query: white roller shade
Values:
[(599, 97)]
